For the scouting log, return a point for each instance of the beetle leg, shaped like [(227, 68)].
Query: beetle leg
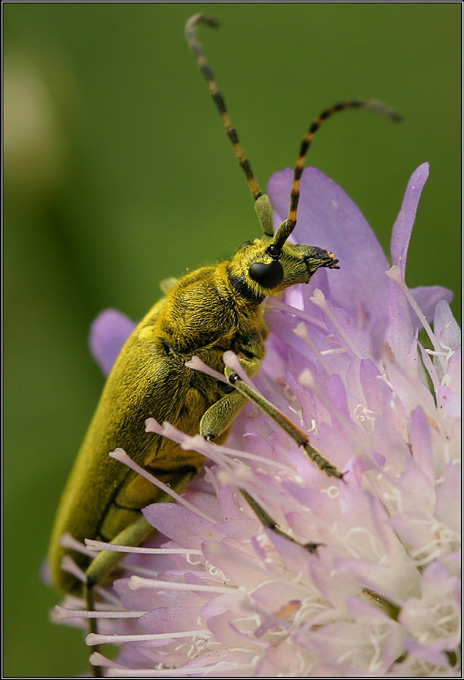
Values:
[(295, 432), (106, 560), (268, 522), (221, 415), (223, 412)]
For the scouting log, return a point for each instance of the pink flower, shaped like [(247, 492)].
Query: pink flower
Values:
[(224, 596)]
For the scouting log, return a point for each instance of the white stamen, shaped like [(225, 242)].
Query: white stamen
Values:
[(277, 304), (97, 659), (231, 360), (136, 582), (332, 492), (302, 332), (299, 413), (97, 546), (68, 564), (318, 298), (122, 457), (346, 539), (68, 541), (394, 273), (115, 638), (236, 453), (65, 613), (430, 368), (186, 442), (198, 365), (335, 350), (198, 671)]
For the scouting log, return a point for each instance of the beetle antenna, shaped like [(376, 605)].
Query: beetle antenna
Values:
[(199, 54), (288, 226)]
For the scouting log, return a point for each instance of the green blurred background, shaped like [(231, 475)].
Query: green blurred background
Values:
[(118, 174)]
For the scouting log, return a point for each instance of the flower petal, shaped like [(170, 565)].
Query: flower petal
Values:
[(405, 221), (108, 333), (328, 218)]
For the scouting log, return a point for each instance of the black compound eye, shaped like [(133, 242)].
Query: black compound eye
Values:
[(267, 275)]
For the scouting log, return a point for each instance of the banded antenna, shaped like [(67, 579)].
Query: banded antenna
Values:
[(199, 54), (288, 226), (263, 207)]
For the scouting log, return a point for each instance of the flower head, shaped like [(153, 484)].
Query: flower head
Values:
[(221, 595)]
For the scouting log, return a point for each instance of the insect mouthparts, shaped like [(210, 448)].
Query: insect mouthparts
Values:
[(334, 263)]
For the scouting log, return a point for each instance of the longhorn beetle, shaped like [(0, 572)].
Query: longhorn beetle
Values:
[(204, 313)]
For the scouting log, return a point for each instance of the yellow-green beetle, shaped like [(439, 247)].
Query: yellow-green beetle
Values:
[(204, 313)]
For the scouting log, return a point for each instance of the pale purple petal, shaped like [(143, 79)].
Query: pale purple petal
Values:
[(400, 330), (428, 297), (237, 565), (108, 333), (328, 218), (445, 326), (46, 573), (375, 391), (170, 619), (179, 524), (405, 221), (421, 445)]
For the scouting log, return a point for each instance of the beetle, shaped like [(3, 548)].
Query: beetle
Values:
[(204, 313)]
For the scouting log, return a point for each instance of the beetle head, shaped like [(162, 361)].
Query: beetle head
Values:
[(270, 264)]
